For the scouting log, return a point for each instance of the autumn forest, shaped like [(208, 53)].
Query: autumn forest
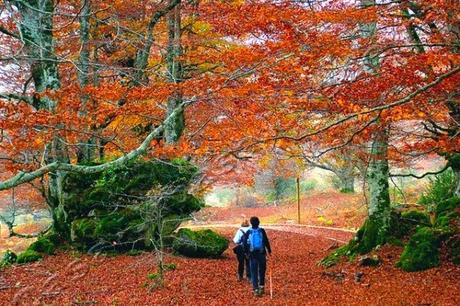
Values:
[(137, 136)]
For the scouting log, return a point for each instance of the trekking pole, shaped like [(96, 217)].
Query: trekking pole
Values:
[(271, 283)]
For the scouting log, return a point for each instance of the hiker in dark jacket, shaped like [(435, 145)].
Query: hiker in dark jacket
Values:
[(243, 261), (257, 246)]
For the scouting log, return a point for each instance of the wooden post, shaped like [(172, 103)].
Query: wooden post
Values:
[(298, 200)]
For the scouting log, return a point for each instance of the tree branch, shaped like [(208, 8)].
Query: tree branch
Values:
[(8, 32), (423, 175), (13, 96)]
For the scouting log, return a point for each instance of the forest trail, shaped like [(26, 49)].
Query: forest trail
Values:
[(73, 278), (341, 235)]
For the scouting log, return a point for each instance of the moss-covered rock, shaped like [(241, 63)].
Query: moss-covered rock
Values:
[(416, 217), (28, 256), (92, 203), (422, 251), (43, 245), (202, 244), (8, 258), (334, 257)]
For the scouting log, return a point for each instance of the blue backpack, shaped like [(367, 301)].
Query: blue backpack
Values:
[(256, 242)]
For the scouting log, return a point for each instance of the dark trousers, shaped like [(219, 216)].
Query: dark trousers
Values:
[(258, 262), (243, 262)]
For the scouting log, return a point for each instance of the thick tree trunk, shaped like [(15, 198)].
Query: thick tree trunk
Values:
[(377, 226), (36, 30)]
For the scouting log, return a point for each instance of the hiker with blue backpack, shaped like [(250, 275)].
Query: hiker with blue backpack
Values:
[(243, 261), (256, 245)]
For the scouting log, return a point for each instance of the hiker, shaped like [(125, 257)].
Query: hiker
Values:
[(243, 261), (256, 245)]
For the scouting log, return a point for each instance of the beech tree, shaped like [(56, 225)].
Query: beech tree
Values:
[(92, 85)]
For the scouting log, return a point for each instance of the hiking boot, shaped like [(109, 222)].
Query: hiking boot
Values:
[(261, 290), (256, 292)]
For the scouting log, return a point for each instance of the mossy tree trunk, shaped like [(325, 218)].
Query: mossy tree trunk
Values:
[(36, 28), (377, 226)]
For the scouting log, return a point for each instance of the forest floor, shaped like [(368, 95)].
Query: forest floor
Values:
[(77, 279), (323, 208)]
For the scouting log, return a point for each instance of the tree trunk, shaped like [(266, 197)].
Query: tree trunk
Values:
[(454, 163), (87, 149), (377, 226), (174, 129), (36, 29), (347, 182)]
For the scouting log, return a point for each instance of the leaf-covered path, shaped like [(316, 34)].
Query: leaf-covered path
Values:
[(297, 280)]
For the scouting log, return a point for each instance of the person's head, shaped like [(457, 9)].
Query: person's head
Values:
[(245, 223), (254, 222)]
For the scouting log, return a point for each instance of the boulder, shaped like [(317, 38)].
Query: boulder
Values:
[(201, 244)]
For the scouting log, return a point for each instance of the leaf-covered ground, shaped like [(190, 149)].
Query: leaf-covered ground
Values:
[(297, 280), (329, 208)]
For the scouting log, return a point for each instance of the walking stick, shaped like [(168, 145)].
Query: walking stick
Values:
[(271, 283)]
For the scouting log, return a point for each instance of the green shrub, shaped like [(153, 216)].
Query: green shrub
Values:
[(28, 256), (9, 258), (447, 206), (201, 244), (448, 213), (422, 251), (43, 245), (440, 188)]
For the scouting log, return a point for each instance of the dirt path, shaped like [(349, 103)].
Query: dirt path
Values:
[(341, 235)]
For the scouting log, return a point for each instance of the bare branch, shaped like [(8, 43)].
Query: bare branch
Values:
[(423, 175)]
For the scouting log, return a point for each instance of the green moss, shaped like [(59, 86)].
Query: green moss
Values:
[(369, 236), (8, 258), (202, 244), (422, 251), (89, 214), (54, 238), (43, 245), (28, 256), (83, 231), (333, 258), (395, 241), (111, 227), (416, 217)]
